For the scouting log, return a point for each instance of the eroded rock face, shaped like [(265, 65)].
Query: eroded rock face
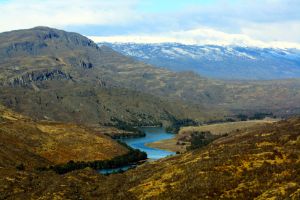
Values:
[(86, 64), (38, 76)]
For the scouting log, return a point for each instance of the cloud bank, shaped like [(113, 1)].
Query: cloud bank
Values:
[(264, 23), (200, 36), (17, 14)]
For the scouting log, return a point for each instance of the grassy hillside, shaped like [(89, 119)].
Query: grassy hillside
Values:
[(258, 163), (223, 128), (41, 143), (93, 106)]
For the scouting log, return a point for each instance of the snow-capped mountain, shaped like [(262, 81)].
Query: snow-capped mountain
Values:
[(225, 62)]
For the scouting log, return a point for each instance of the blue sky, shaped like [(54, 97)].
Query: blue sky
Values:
[(169, 5), (224, 22)]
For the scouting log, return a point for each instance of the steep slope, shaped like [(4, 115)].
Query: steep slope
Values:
[(41, 143), (259, 163), (223, 62)]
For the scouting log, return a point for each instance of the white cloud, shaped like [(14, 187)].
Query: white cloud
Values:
[(198, 36), (265, 23), (16, 14), (285, 31)]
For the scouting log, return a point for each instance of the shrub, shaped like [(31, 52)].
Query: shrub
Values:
[(176, 124), (20, 167), (133, 156), (201, 139)]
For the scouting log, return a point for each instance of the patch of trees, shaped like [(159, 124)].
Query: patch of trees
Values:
[(126, 127), (145, 120), (20, 167), (126, 135), (241, 117), (177, 123), (202, 138), (255, 116), (217, 121), (132, 157)]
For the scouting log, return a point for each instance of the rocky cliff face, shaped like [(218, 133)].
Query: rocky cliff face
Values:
[(37, 76)]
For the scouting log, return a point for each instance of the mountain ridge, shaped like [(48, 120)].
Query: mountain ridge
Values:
[(224, 62)]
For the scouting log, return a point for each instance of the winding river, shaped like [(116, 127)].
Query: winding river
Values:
[(153, 134)]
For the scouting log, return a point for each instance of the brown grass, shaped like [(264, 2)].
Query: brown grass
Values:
[(258, 163), (42, 143), (222, 128)]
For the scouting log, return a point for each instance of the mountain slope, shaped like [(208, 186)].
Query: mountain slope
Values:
[(228, 62), (53, 74), (42, 143)]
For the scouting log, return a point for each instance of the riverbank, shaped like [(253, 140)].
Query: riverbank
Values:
[(177, 145), (168, 145), (153, 134), (133, 157)]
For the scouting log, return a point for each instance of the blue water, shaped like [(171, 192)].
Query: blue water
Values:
[(116, 170), (153, 134)]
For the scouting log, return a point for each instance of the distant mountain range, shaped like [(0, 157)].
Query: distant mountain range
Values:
[(222, 62)]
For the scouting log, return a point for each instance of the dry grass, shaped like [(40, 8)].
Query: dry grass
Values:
[(222, 128), (42, 143), (258, 163), (168, 144)]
